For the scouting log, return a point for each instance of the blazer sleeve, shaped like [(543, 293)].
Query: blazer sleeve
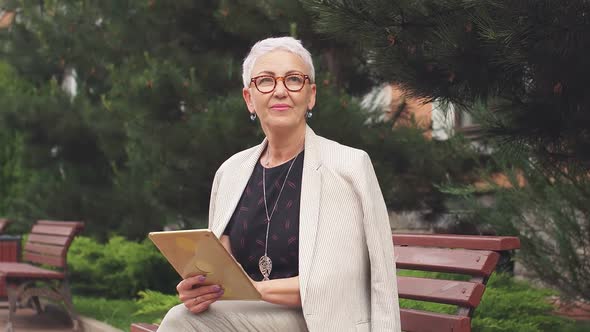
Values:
[(213, 198), (385, 315)]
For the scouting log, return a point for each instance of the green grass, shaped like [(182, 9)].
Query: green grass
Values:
[(117, 313), (581, 327)]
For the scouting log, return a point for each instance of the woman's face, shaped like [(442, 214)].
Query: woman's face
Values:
[(281, 108)]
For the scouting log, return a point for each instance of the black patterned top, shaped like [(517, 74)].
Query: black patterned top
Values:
[(247, 226)]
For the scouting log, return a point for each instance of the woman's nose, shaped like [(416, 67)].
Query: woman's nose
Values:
[(280, 89)]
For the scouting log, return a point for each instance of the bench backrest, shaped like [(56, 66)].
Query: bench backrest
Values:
[(474, 256), (49, 241)]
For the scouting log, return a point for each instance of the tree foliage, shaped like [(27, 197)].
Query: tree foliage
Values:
[(520, 68), (158, 107), (526, 59), (552, 219)]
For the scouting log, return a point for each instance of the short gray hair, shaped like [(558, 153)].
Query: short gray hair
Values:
[(267, 45)]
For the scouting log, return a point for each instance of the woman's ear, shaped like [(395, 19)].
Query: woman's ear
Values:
[(246, 93), (311, 102)]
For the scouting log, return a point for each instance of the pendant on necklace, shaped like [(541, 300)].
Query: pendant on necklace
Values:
[(265, 266)]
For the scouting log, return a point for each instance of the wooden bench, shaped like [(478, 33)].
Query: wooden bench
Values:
[(43, 270), (473, 256)]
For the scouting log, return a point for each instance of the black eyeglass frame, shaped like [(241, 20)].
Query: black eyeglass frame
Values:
[(276, 78)]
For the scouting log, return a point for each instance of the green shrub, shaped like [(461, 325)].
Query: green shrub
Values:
[(155, 304), (510, 305), (551, 216), (118, 268)]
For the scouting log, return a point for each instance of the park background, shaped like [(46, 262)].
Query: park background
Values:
[(475, 115)]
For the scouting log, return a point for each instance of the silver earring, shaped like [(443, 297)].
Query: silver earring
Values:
[(253, 117), (308, 114)]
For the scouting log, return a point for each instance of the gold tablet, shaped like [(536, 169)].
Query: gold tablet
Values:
[(195, 252)]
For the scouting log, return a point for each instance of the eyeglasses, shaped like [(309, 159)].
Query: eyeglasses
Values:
[(268, 83)]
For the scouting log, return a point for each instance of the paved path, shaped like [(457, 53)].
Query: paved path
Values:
[(27, 320), (54, 319)]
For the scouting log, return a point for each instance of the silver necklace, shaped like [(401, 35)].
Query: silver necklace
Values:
[(265, 263)]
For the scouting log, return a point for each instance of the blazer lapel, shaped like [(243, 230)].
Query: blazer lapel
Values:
[(311, 184), (234, 186)]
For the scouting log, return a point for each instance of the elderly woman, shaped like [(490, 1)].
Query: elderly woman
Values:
[(302, 214)]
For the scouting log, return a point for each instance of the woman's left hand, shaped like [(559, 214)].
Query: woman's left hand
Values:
[(196, 296)]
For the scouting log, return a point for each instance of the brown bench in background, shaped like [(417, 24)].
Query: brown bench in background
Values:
[(471, 255), (9, 251), (47, 245)]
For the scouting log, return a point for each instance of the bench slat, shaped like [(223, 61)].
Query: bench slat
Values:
[(74, 224), (143, 327), (43, 259), (477, 242), (53, 230), (24, 270), (48, 239), (474, 263), (461, 293), (45, 249), (424, 321)]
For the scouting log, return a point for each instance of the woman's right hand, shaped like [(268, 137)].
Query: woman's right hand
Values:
[(196, 296)]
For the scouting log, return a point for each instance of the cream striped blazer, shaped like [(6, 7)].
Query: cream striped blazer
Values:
[(346, 262)]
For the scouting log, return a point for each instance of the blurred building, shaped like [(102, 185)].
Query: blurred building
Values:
[(6, 18), (439, 121)]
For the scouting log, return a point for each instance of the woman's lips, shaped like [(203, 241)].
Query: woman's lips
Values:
[(280, 107)]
